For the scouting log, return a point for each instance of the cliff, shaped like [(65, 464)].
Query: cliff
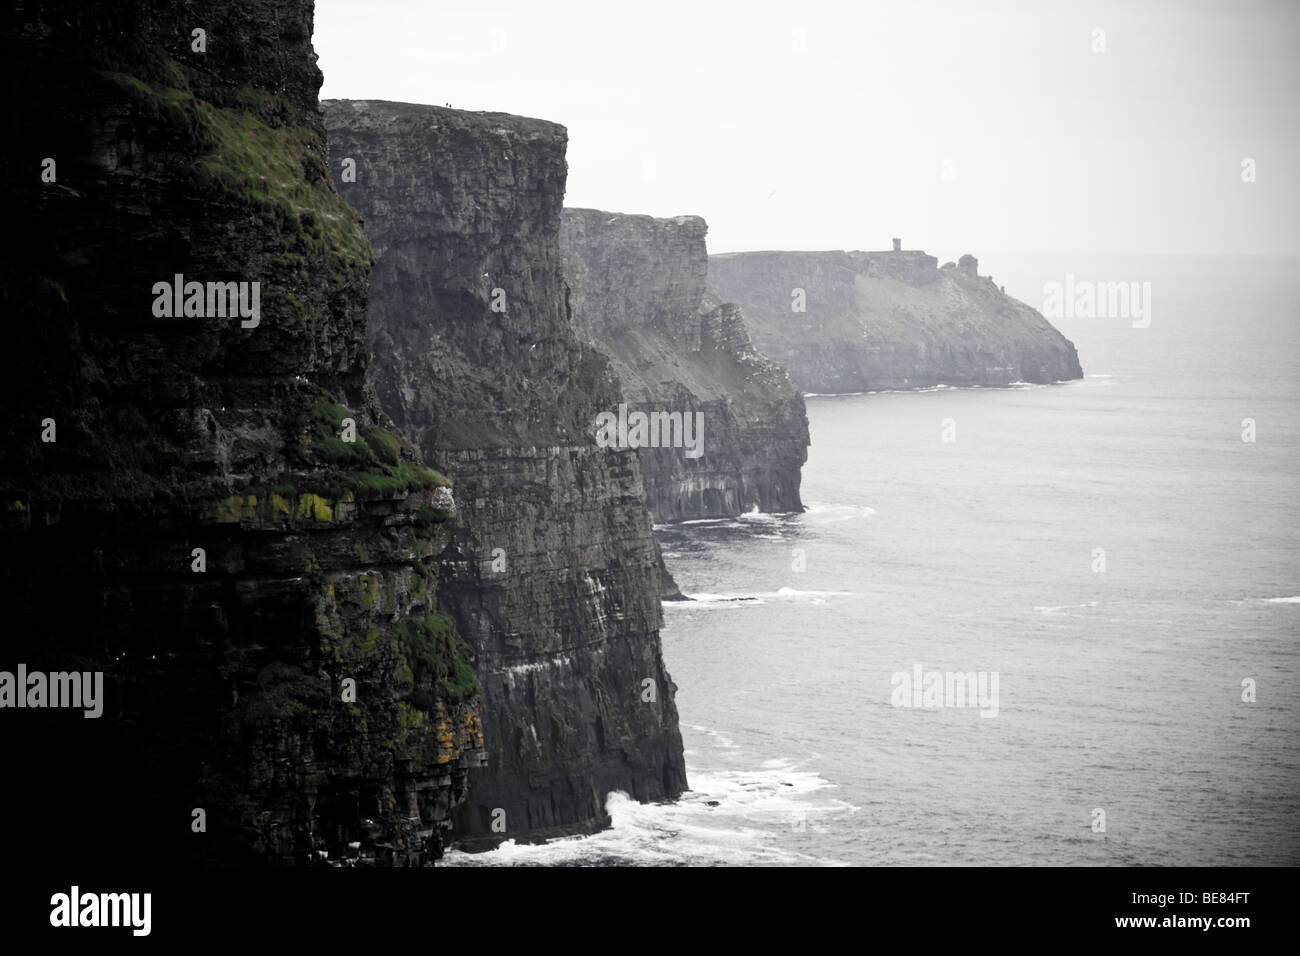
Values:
[(879, 320), (203, 500), (638, 293), (553, 571)]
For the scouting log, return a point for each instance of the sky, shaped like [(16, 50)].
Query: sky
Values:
[(974, 126)]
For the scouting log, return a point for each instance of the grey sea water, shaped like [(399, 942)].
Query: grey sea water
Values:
[(1120, 691)]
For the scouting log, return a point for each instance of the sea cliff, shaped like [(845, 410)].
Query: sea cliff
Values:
[(639, 293), (202, 498), (862, 321), (553, 570)]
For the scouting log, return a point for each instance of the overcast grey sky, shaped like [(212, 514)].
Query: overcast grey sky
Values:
[(976, 126)]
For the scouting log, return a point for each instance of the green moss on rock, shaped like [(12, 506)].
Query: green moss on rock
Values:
[(436, 652)]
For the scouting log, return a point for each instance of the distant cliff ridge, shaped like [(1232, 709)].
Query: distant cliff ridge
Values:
[(553, 570), (857, 321), (638, 292)]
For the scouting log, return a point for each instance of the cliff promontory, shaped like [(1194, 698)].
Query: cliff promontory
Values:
[(638, 293), (553, 571), (858, 321)]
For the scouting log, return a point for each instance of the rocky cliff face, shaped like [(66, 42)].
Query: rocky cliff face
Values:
[(877, 320), (553, 571), (638, 292), (207, 504)]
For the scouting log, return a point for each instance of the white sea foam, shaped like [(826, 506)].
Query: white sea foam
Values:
[(1062, 608), (761, 597), (941, 387), (792, 594), (819, 513), (717, 603), (704, 597), (768, 815)]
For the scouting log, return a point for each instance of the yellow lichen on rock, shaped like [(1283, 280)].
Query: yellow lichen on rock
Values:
[(456, 733), (313, 507), (233, 509)]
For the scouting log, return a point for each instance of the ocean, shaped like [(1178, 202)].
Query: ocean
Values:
[(1114, 565)]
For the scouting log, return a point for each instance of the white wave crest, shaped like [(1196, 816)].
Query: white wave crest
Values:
[(761, 597), (817, 512), (1062, 608)]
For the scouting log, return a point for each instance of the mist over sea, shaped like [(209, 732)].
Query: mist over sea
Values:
[(1118, 690)]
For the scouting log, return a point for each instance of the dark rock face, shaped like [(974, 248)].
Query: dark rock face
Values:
[(553, 572), (877, 320), (638, 292), (294, 678)]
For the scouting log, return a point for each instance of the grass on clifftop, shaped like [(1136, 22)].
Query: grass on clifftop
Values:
[(246, 151), (278, 171)]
